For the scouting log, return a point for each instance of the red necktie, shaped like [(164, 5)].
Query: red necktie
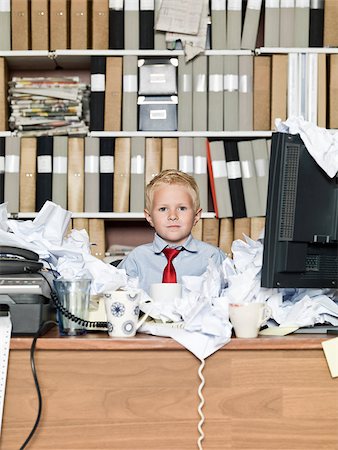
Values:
[(169, 273)]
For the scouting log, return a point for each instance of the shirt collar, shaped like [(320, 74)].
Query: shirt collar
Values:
[(159, 244)]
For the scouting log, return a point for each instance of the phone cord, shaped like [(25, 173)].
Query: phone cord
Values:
[(85, 323)]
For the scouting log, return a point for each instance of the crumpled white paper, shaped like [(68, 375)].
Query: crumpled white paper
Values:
[(321, 143), (70, 256), (200, 319), (290, 307)]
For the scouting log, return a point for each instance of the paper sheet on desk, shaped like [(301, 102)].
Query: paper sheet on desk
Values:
[(330, 348), (201, 345), (5, 336)]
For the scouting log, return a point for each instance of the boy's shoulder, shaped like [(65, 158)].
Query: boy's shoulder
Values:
[(142, 248), (210, 248)]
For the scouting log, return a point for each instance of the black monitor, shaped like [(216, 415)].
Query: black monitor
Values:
[(301, 232)]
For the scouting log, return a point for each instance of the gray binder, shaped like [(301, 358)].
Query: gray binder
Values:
[(251, 22), (215, 94), (131, 25), (260, 153), (271, 23), (249, 179), (245, 107), (137, 174), (12, 173), (186, 155), (129, 96), (199, 98), (286, 27), (184, 110), (302, 23), (231, 95), (92, 175), (201, 170), (159, 38), (218, 24), (59, 175), (5, 25), (220, 177), (234, 24)]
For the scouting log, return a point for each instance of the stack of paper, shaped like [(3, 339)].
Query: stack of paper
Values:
[(48, 106)]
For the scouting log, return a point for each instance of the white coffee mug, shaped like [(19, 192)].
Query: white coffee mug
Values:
[(164, 292), (123, 310), (247, 318)]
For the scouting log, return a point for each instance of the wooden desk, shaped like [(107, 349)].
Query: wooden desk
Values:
[(141, 394)]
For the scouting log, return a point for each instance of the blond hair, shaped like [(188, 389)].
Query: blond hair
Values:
[(172, 176)]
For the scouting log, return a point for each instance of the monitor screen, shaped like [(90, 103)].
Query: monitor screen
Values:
[(301, 232)]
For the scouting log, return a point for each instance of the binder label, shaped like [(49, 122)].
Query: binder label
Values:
[(131, 5), (186, 163), (218, 5), (254, 4), (260, 165), (247, 169), (2, 164), (12, 163), (44, 164), (234, 170), (137, 165), (60, 164), (219, 169), (271, 3), (97, 82), (216, 83), (200, 165), (147, 5), (115, 4), (186, 82), (91, 164), (234, 5), (302, 3), (106, 164), (5, 5), (201, 82), (230, 83), (245, 84), (287, 3), (130, 83)]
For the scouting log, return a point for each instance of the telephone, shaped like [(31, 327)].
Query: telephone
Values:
[(14, 260)]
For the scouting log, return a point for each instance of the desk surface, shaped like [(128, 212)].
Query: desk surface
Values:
[(269, 393), (101, 341)]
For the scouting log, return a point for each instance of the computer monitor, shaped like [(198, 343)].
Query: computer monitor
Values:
[(301, 232)]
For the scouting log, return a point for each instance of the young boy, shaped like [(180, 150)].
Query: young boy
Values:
[(172, 209)]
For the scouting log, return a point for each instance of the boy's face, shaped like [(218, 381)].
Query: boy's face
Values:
[(172, 213)]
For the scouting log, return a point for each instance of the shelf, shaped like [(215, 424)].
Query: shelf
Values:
[(220, 134), (29, 60), (98, 215), (269, 50), (80, 59)]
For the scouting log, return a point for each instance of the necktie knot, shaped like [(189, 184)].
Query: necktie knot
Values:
[(169, 273)]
